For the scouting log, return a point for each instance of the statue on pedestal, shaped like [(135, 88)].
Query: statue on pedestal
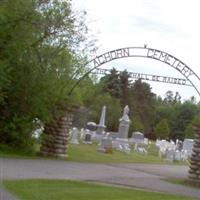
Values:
[(124, 123)]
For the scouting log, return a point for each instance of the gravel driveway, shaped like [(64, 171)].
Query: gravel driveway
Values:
[(146, 176)]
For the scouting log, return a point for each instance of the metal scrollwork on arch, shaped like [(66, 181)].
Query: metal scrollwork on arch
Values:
[(142, 52)]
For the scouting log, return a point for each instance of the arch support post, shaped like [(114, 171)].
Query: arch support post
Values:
[(194, 171)]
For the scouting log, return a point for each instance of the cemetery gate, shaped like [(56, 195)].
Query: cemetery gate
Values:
[(145, 52)]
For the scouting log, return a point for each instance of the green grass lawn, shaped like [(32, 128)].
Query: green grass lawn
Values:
[(89, 153), (75, 190)]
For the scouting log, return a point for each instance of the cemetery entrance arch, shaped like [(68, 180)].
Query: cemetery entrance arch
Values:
[(143, 52)]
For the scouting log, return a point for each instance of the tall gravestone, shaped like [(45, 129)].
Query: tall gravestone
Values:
[(124, 124), (101, 126), (194, 172)]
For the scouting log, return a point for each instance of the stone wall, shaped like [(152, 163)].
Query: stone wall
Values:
[(56, 134), (194, 172)]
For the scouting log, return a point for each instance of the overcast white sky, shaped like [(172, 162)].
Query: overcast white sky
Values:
[(172, 26)]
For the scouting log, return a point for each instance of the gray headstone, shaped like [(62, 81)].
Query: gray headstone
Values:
[(105, 144), (88, 137), (137, 137), (170, 154), (114, 135), (177, 155)]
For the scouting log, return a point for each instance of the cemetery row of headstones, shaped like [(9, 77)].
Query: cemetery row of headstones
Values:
[(120, 141), (110, 140), (180, 151)]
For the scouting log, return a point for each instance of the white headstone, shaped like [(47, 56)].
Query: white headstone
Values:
[(188, 145), (74, 136)]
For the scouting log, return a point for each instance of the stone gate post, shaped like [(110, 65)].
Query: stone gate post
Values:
[(56, 134), (194, 172)]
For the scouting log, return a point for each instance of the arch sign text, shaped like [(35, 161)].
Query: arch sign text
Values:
[(143, 52)]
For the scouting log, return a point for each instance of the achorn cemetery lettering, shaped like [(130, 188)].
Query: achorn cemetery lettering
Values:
[(148, 77), (148, 53)]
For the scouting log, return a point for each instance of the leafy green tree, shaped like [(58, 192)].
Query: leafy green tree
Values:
[(125, 87), (111, 84), (113, 110), (182, 116), (189, 133), (162, 129), (169, 97), (142, 104), (136, 125), (39, 53), (177, 98)]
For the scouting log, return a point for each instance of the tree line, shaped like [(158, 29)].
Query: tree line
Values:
[(44, 46), (156, 117)]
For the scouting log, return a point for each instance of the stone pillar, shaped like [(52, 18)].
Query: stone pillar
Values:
[(194, 172), (56, 134), (101, 126)]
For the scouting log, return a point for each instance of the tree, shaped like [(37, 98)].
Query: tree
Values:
[(169, 97), (111, 84), (182, 116), (142, 104), (113, 110), (125, 87), (177, 98), (189, 133), (136, 125), (162, 129), (39, 43)]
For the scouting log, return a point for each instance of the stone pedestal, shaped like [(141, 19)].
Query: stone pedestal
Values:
[(56, 134), (123, 128), (194, 172), (100, 130)]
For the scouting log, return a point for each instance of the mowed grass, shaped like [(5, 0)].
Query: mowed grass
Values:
[(75, 190), (89, 153)]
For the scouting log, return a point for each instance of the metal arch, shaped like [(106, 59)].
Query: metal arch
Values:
[(147, 77), (143, 52)]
